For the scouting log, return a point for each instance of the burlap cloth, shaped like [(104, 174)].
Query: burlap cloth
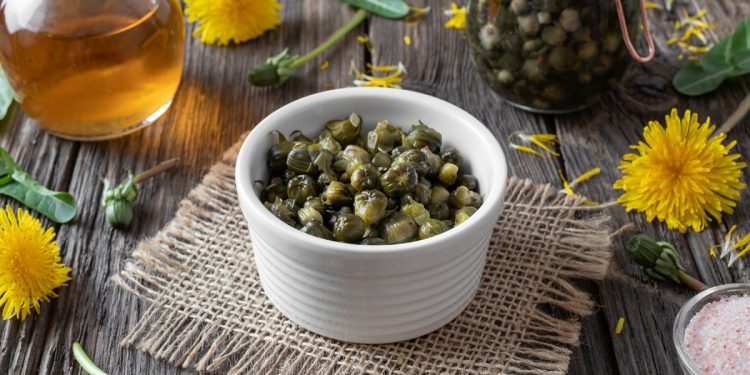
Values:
[(208, 310)]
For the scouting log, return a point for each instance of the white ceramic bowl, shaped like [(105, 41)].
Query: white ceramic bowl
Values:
[(376, 293)]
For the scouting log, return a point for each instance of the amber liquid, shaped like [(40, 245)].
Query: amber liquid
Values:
[(99, 76)]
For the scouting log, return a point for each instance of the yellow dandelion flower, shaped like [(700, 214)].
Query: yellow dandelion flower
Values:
[(682, 175), (392, 80), (407, 40), (457, 17), (30, 266), (222, 21)]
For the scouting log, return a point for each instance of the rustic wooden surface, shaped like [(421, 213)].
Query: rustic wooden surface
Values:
[(214, 106)]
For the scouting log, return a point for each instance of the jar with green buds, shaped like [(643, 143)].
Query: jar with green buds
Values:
[(554, 56)]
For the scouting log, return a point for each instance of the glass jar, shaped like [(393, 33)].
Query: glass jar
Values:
[(550, 56), (92, 69), (688, 311)]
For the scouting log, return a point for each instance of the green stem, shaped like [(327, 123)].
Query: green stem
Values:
[(340, 33), (162, 167), (691, 282), (85, 362)]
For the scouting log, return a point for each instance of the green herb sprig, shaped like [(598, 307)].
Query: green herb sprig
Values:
[(118, 201), (660, 261), (727, 59), (15, 183), (277, 69)]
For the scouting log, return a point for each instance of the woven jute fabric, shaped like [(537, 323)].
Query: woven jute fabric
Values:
[(208, 310)]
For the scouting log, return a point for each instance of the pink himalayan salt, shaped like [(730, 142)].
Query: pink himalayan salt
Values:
[(718, 337)]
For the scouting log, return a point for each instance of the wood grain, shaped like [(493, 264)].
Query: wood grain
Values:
[(214, 106)]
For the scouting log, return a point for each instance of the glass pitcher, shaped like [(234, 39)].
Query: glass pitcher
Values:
[(554, 56), (92, 69)]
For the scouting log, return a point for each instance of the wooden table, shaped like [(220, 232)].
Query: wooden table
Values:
[(215, 105)]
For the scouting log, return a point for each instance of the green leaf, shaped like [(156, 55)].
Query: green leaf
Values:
[(384, 8), (728, 58), (694, 80), (6, 95), (59, 207)]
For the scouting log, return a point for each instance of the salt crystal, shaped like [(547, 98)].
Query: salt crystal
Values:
[(718, 337)]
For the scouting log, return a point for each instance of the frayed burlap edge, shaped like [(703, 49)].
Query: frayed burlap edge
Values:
[(186, 334)]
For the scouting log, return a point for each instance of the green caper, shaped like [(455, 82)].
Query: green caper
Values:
[(433, 161), (439, 195), (528, 24), (588, 50), (422, 191), (413, 159), (306, 214), (398, 228), (381, 161), (469, 181), (489, 36), (439, 211), (298, 136), (316, 203), (373, 241), (349, 228), (421, 135), (278, 153), (299, 159), (384, 138), (432, 227), (462, 197), (277, 188), (398, 180), (349, 159), (448, 173), (569, 20), (534, 70), (554, 35), (326, 178), (563, 59), (287, 176), (345, 131), (370, 206), (301, 187), (284, 210), (317, 229), (365, 177), (327, 142), (371, 231), (463, 213), (416, 211), (399, 150), (451, 155), (519, 6), (337, 194)]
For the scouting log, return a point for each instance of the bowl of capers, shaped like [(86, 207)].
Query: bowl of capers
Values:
[(370, 210)]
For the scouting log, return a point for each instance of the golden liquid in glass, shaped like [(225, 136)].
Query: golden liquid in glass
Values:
[(99, 76)]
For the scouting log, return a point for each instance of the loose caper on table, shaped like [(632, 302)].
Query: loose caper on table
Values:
[(386, 187)]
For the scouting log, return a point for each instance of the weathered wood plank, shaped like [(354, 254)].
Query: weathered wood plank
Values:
[(213, 107), (599, 137), (438, 63)]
